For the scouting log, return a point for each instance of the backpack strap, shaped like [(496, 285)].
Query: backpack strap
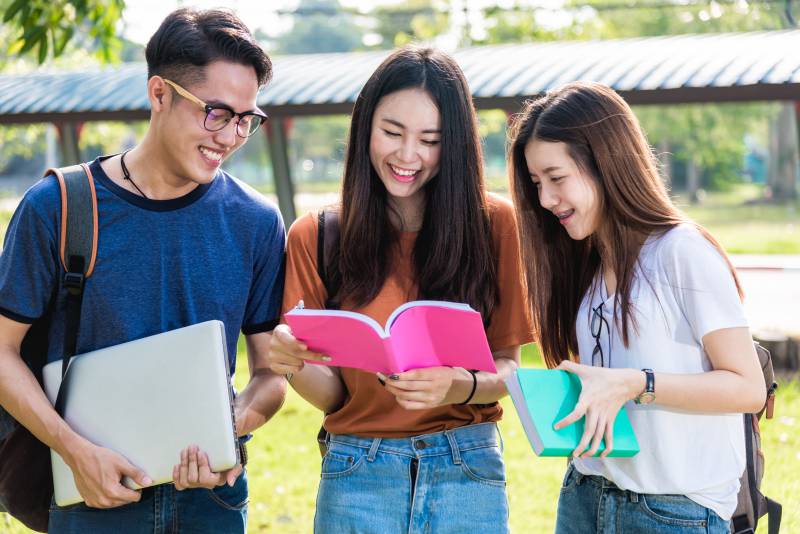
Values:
[(77, 251), (327, 245), (78, 218), (774, 513)]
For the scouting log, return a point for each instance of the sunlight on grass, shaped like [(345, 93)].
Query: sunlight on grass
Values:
[(748, 228), (285, 462)]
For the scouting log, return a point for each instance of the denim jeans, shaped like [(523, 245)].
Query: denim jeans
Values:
[(594, 504), (162, 510), (442, 483)]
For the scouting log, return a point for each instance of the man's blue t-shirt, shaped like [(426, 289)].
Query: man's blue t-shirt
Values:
[(215, 253)]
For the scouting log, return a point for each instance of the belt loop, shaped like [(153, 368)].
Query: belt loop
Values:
[(451, 438), (500, 437), (373, 449), (633, 496)]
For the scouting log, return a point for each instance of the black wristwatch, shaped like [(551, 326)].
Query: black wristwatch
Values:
[(649, 394)]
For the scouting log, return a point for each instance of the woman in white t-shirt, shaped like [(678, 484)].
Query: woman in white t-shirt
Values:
[(649, 303)]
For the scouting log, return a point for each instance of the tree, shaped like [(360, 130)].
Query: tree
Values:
[(706, 140), (413, 21), (48, 26), (320, 26)]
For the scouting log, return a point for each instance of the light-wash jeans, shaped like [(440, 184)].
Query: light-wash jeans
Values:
[(591, 504), (162, 510), (442, 483)]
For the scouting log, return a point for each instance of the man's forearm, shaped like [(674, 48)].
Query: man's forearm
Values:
[(22, 396), (259, 401)]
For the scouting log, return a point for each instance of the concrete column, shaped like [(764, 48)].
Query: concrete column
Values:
[(69, 134)]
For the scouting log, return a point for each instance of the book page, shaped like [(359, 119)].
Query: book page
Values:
[(431, 334), (350, 339), (408, 305)]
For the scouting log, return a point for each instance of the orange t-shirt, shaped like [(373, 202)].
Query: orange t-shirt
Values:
[(369, 410)]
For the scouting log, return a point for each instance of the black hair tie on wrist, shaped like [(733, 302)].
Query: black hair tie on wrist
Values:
[(473, 372)]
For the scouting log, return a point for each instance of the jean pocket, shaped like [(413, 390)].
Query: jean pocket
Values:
[(570, 479), (231, 497), (341, 460), (674, 510), (484, 465)]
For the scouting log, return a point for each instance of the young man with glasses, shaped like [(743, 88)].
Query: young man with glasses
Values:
[(180, 242)]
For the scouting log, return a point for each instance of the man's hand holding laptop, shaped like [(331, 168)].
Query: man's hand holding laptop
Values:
[(194, 471), (98, 473)]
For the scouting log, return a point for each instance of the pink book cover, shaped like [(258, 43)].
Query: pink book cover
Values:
[(418, 334)]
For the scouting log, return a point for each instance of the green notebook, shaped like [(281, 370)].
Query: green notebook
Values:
[(544, 397)]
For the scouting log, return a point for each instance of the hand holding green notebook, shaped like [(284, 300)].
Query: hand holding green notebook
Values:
[(543, 397)]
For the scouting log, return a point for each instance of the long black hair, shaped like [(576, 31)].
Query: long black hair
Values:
[(453, 255)]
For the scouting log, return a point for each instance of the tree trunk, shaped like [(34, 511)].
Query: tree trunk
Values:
[(783, 154), (665, 158), (692, 181)]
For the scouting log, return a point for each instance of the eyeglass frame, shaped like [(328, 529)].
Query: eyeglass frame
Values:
[(599, 319), (208, 108)]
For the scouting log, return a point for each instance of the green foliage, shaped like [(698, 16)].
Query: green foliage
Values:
[(712, 135), (26, 141), (521, 25), (47, 26), (110, 137), (601, 19), (317, 146), (320, 26), (413, 21)]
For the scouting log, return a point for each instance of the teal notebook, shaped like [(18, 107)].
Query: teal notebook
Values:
[(544, 397)]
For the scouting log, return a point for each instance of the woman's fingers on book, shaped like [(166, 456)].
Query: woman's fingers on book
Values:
[(316, 356), (574, 415), (284, 337), (570, 366), (423, 374), (609, 437), (597, 437), (590, 426), (408, 385)]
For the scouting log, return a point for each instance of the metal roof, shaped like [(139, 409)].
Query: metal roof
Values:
[(647, 70)]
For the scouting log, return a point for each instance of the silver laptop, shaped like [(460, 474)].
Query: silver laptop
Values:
[(148, 399)]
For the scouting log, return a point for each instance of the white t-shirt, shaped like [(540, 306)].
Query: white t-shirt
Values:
[(687, 291)]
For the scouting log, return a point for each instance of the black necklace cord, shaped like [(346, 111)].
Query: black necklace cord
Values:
[(127, 174)]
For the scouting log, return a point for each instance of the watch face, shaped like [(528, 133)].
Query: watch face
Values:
[(646, 398)]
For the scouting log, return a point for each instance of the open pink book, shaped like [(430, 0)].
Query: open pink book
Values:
[(418, 334)]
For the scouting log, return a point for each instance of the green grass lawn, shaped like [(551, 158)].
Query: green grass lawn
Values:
[(744, 227), (284, 467)]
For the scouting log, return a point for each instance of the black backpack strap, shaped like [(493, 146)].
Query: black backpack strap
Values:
[(750, 468), (327, 245), (77, 251), (774, 513)]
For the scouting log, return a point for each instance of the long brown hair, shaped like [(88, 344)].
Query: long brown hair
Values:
[(453, 255), (605, 140)]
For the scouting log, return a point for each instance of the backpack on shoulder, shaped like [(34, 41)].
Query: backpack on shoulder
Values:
[(752, 503), (327, 244), (26, 479)]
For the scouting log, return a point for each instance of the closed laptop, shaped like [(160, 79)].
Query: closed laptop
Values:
[(148, 399)]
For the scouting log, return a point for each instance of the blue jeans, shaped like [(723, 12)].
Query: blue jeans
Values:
[(162, 510), (594, 504), (447, 482)]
